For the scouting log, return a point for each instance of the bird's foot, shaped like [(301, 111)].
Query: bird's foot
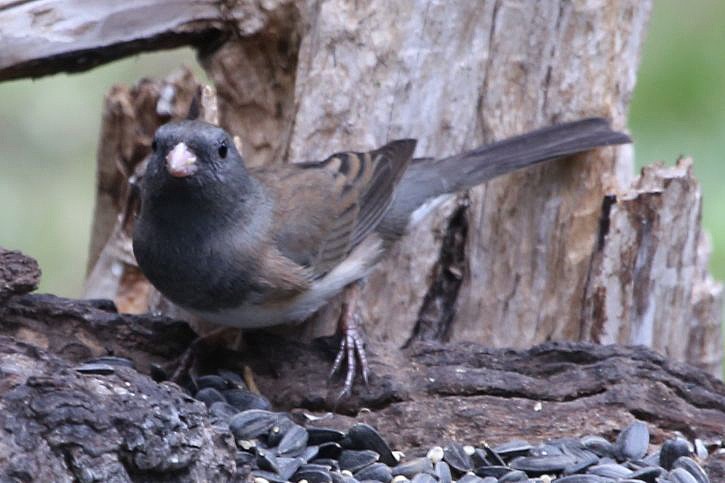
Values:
[(352, 345), (216, 338), (184, 364)]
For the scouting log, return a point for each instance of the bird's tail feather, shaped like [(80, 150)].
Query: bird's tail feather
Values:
[(428, 178)]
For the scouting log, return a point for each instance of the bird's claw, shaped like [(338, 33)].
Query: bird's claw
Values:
[(352, 349)]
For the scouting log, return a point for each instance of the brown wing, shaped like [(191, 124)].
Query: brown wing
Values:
[(324, 209)]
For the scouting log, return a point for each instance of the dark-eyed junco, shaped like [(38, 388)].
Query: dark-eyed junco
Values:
[(254, 248)]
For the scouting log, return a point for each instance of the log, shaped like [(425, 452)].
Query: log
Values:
[(62, 425), (18, 273), (61, 421)]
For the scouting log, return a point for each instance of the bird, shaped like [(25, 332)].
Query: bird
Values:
[(256, 247)]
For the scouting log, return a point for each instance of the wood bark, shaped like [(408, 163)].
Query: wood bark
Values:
[(62, 422)]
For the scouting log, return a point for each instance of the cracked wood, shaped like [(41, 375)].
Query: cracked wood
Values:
[(58, 424)]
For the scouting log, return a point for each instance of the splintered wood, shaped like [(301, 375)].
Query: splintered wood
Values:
[(649, 282)]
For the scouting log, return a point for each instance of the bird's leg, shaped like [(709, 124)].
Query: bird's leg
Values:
[(211, 339), (352, 346)]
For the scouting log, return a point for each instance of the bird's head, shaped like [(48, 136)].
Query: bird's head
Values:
[(194, 161), (194, 152)]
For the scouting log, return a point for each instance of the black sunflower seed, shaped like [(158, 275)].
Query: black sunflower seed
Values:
[(691, 466), (490, 455), (222, 411), (329, 450), (513, 448), (324, 435), (243, 399), (376, 471), (96, 368), (610, 471), (583, 459), (232, 379), (539, 465), (413, 467), (513, 476), (443, 472), (209, 396), (266, 460), (598, 446), (213, 381), (364, 436), (278, 430), (293, 442), (671, 450), (252, 424), (457, 458), (495, 471), (648, 474), (632, 443), (355, 460), (680, 475)]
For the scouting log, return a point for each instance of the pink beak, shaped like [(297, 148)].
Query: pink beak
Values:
[(181, 161)]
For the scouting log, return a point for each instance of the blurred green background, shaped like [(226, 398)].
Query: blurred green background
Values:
[(49, 130)]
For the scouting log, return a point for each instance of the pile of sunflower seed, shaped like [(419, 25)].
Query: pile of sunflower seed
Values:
[(273, 448)]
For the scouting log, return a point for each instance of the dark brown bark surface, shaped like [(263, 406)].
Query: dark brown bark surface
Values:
[(60, 421), (18, 273), (59, 424)]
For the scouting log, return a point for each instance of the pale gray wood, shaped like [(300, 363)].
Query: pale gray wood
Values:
[(648, 281), (40, 37)]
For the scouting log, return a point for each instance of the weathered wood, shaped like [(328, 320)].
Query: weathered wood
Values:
[(19, 274), (61, 425), (57, 423), (41, 37), (648, 282), (83, 329)]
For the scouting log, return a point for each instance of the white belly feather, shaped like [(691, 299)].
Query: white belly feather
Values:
[(356, 266)]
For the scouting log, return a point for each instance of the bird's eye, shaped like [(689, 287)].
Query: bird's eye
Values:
[(223, 149), (154, 145)]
